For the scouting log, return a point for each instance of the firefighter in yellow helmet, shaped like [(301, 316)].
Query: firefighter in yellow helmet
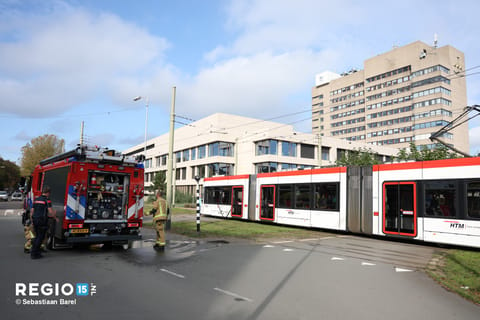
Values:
[(160, 217)]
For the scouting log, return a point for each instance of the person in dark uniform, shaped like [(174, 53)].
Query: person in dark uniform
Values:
[(40, 212)]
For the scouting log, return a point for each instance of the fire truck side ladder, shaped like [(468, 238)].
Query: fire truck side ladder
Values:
[(435, 137)]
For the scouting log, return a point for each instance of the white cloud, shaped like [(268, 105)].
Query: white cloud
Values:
[(474, 134), (67, 56), (256, 85)]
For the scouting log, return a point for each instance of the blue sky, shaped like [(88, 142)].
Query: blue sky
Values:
[(67, 61)]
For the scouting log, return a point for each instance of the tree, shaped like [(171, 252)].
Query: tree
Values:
[(360, 157), (9, 175), (425, 154), (160, 181), (38, 149)]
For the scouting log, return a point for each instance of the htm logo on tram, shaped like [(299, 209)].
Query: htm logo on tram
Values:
[(457, 225)]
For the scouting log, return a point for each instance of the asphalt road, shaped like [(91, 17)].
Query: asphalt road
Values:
[(337, 277)]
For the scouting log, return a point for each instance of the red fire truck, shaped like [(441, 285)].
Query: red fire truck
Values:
[(97, 194)]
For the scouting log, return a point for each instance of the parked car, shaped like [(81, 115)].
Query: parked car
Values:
[(17, 196), (4, 195)]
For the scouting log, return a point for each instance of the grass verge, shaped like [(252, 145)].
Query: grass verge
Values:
[(240, 229), (458, 271), (177, 210)]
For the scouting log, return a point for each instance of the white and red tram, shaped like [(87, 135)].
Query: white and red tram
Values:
[(434, 201)]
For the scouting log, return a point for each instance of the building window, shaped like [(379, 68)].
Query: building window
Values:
[(186, 155), (307, 151), (289, 149), (201, 171), (222, 149), (164, 160), (226, 149), (340, 153), (181, 174), (213, 149), (288, 166), (202, 152), (266, 147), (220, 169), (193, 153), (148, 163), (178, 157), (325, 153), (266, 167)]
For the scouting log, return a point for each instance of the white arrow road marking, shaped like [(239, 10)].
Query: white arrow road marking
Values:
[(337, 259), (402, 270), (231, 294), (368, 264), (8, 212)]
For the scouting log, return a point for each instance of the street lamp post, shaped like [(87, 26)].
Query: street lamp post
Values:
[(146, 123)]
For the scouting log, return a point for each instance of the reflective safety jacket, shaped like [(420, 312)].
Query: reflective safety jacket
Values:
[(161, 214)]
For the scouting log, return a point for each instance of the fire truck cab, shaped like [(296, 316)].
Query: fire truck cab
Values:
[(97, 195)]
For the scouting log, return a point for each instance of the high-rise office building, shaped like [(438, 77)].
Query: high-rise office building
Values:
[(399, 97)]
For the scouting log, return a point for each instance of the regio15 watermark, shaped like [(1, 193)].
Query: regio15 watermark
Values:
[(35, 293)]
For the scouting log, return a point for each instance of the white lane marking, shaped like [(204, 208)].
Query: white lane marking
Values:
[(337, 259), (288, 250), (268, 246), (313, 239), (8, 212), (402, 270), (236, 296), (173, 273), (369, 264)]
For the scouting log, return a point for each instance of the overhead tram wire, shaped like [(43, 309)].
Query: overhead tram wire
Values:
[(248, 123), (462, 74)]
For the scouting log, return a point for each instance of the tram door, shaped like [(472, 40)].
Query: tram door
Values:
[(237, 201), (399, 208), (267, 203)]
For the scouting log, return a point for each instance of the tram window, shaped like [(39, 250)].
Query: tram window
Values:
[(285, 196), (440, 199), (302, 196), (473, 199), (325, 196), (218, 195)]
